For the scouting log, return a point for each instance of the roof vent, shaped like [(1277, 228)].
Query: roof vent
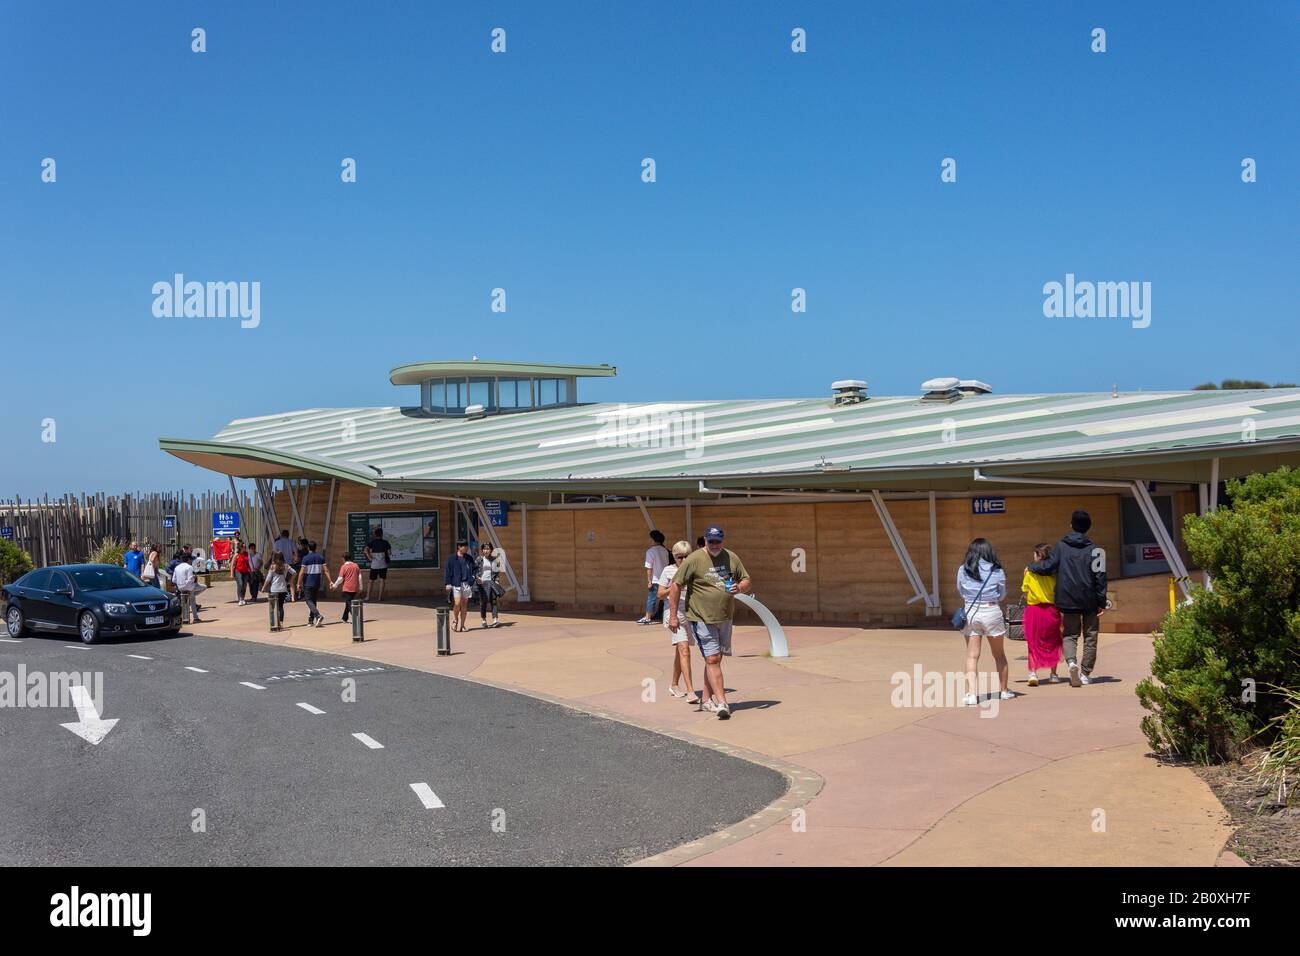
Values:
[(849, 391), (973, 386), (941, 390)]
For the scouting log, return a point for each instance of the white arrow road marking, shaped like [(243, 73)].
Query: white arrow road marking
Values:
[(427, 796), (369, 741), (310, 709), (197, 670), (249, 683), (89, 726), (140, 657)]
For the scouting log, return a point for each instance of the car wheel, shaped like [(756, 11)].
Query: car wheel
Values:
[(15, 623), (88, 627)]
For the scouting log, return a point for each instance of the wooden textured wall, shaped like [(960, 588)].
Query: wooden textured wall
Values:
[(591, 558)]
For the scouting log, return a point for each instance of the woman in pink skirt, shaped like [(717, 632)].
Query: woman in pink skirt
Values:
[(1042, 620)]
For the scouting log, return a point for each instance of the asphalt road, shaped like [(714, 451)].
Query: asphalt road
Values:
[(521, 781)]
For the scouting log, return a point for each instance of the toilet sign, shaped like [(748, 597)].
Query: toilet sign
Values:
[(225, 524), (498, 512), (988, 506)]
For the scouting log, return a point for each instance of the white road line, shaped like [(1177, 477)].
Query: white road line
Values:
[(140, 657), (6, 640), (197, 670), (309, 708), (427, 796), (249, 683), (76, 647), (369, 741)]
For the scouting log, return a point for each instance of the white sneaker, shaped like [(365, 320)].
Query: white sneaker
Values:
[(1007, 695), (723, 711), (1074, 674), (1083, 679), (710, 706), (1054, 679), (970, 700), (241, 603), (1033, 680)]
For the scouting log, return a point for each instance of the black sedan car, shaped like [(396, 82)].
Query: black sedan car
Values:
[(92, 600)]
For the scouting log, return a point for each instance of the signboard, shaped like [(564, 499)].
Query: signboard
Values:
[(988, 506), (413, 536), (225, 524), (1151, 552), (498, 512), (6, 533), (380, 497), (169, 521)]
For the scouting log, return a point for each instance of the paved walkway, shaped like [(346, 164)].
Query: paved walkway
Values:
[(1057, 776)]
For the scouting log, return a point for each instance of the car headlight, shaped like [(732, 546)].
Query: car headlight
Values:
[(116, 608), (173, 602)]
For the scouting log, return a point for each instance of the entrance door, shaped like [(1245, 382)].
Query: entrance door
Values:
[(1141, 553)]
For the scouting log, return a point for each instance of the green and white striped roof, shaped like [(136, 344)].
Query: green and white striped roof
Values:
[(668, 448)]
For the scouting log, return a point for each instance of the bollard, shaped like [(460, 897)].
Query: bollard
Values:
[(444, 633), (358, 620), (273, 608)]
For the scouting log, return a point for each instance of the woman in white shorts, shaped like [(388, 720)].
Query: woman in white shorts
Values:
[(982, 584), (680, 637)]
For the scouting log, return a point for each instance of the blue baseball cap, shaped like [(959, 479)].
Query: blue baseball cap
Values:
[(713, 533)]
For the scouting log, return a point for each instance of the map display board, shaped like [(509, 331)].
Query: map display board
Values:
[(413, 535)]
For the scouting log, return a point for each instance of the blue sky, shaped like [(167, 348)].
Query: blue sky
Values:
[(523, 171)]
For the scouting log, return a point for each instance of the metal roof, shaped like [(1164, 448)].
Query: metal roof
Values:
[(420, 371), (667, 448)]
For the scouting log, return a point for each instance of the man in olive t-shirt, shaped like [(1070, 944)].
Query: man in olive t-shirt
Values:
[(711, 576)]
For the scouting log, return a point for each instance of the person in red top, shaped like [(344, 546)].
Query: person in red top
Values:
[(243, 573), (350, 580)]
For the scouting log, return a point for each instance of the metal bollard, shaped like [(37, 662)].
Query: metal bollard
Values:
[(273, 608), (444, 633), (358, 620)]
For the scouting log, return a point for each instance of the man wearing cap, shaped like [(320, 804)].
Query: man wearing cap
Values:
[(711, 576)]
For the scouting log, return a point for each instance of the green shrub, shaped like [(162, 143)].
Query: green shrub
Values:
[(1223, 661), (110, 551), (14, 561), (1280, 768)]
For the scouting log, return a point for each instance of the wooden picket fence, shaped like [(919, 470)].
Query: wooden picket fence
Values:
[(68, 529)]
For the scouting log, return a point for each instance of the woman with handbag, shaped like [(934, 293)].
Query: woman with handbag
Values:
[(486, 568), (1042, 620), (982, 584)]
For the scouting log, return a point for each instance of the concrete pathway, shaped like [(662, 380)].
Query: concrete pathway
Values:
[(1057, 776)]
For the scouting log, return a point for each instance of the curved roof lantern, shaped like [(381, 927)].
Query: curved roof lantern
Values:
[(476, 388)]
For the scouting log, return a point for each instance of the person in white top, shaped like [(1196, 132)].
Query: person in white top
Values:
[(186, 583), (656, 559), (680, 637), (982, 584)]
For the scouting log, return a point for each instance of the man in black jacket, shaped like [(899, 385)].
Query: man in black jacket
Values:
[(1080, 569)]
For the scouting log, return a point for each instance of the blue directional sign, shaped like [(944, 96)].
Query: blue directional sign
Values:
[(498, 511), (988, 506), (169, 521), (225, 524), (6, 533)]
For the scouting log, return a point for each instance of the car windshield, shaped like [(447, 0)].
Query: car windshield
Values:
[(105, 579)]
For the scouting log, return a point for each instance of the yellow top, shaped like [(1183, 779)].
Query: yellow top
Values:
[(1039, 588)]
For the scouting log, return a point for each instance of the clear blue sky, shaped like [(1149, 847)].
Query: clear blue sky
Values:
[(522, 171)]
